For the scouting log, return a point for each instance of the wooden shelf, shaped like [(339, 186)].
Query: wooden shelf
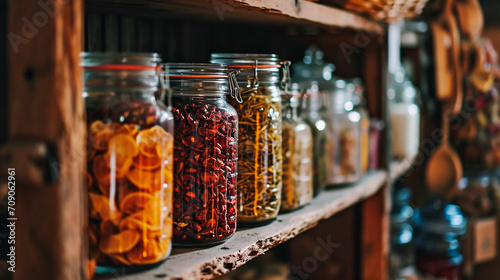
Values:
[(248, 243), (283, 12), (400, 167)]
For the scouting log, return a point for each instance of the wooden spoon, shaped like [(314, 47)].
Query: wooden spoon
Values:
[(444, 169), (470, 18)]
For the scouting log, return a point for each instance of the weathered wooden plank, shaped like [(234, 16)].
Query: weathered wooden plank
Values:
[(94, 33), (269, 11), (45, 105), (248, 243), (128, 34), (111, 33)]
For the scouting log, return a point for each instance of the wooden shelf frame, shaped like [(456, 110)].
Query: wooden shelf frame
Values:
[(45, 104)]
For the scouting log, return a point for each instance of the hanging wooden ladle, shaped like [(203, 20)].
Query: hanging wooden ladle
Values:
[(446, 41), (444, 169)]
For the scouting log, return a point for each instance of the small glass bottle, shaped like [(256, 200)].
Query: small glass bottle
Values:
[(205, 153), (129, 160), (259, 147), (297, 155)]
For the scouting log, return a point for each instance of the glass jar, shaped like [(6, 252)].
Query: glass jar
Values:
[(355, 89), (475, 195), (297, 155), (129, 160), (315, 77), (404, 116), (205, 153), (439, 230), (401, 255), (259, 147), (347, 124)]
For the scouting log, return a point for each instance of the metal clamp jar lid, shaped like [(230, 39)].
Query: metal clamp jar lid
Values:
[(256, 68), (201, 79)]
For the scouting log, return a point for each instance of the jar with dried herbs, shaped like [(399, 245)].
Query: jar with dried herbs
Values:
[(205, 152), (321, 130), (129, 160), (297, 156), (260, 135)]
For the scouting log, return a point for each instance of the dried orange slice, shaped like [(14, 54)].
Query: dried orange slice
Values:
[(101, 173), (93, 234), (135, 202), (165, 147), (130, 129), (144, 179), (133, 222), (102, 208), (120, 162), (149, 138), (146, 252), (106, 228), (123, 144), (151, 213), (119, 243), (89, 180), (146, 163), (100, 133)]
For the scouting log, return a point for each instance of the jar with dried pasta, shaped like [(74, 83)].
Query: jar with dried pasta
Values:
[(205, 152), (259, 145), (129, 160)]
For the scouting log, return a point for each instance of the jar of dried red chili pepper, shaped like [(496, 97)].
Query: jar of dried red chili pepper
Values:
[(259, 146), (129, 160), (205, 152)]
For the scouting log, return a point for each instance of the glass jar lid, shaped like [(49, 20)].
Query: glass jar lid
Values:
[(255, 68), (105, 71), (201, 79), (109, 59), (437, 217)]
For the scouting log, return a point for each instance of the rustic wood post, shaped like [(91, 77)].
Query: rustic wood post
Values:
[(46, 138)]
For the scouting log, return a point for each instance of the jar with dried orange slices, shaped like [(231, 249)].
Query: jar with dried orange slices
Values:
[(205, 152), (129, 160)]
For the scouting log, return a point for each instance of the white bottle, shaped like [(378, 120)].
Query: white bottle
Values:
[(404, 117)]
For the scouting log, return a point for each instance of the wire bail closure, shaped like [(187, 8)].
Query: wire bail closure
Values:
[(165, 86), (234, 88), (255, 81), (285, 80)]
